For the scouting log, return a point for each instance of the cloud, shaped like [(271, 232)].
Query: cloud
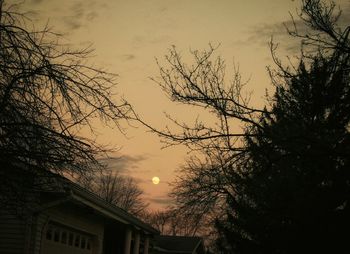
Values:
[(72, 24), (140, 41), (76, 17), (161, 200), (72, 14), (163, 9), (91, 15), (82, 12), (127, 57), (124, 163), (141, 180), (263, 33)]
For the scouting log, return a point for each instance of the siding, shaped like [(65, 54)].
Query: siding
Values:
[(12, 234), (79, 218)]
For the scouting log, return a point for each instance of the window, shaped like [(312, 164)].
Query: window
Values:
[(77, 240), (88, 244), (61, 234), (64, 237), (82, 243), (49, 233), (56, 236), (70, 239)]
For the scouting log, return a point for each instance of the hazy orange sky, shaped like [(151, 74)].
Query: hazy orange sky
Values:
[(129, 34)]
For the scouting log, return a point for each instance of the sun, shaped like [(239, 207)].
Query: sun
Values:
[(155, 180)]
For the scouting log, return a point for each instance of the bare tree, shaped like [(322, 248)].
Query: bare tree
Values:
[(203, 184), (173, 221), (203, 84), (224, 168), (325, 32), (117, 189), (178, 222), (158, 219), (48, 92)]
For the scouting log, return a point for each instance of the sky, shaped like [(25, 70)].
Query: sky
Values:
[(129, 35)]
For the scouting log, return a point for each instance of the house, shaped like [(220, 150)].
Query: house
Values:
[(178, 245), (65, 218)]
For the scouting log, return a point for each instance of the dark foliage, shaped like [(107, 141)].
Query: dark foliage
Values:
[(284, 180), (296, 193), (294, 197)]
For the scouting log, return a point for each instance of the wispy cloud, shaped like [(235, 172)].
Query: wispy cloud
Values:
[(72, 24), (72, 14), (90, 16), (124, 163), (139, 41), (262, 34), (81, 12), (127, 57), (161, 200)]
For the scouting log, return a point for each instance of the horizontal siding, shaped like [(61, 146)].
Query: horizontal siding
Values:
[(79, 218), (12, 234)]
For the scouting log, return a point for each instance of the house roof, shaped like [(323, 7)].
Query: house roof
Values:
[(74, 192), (178, 244)]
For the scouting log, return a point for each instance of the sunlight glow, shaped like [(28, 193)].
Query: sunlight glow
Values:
[(155, 180)]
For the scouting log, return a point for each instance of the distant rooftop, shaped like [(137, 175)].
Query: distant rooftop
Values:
[(178, 244)]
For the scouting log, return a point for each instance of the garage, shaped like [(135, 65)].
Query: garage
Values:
[(60, 239)]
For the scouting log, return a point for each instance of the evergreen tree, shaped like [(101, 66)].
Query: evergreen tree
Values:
[(283, 180), (295, 195)]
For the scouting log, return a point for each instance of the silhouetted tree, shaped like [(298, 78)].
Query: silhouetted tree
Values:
[(284, 178), (200, 191), (118, 190), (296, 192), (202, 186), (295, 195), (173, 221), (48, 92), (157, 219)]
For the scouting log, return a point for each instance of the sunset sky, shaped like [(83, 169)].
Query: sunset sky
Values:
[(128, 36)]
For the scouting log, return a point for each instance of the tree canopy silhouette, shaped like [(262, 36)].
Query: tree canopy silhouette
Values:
[(296, 189), (284, 180), (48, 92), (117, 189)]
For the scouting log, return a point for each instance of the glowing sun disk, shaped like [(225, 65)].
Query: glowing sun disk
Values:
[(155, 180)]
